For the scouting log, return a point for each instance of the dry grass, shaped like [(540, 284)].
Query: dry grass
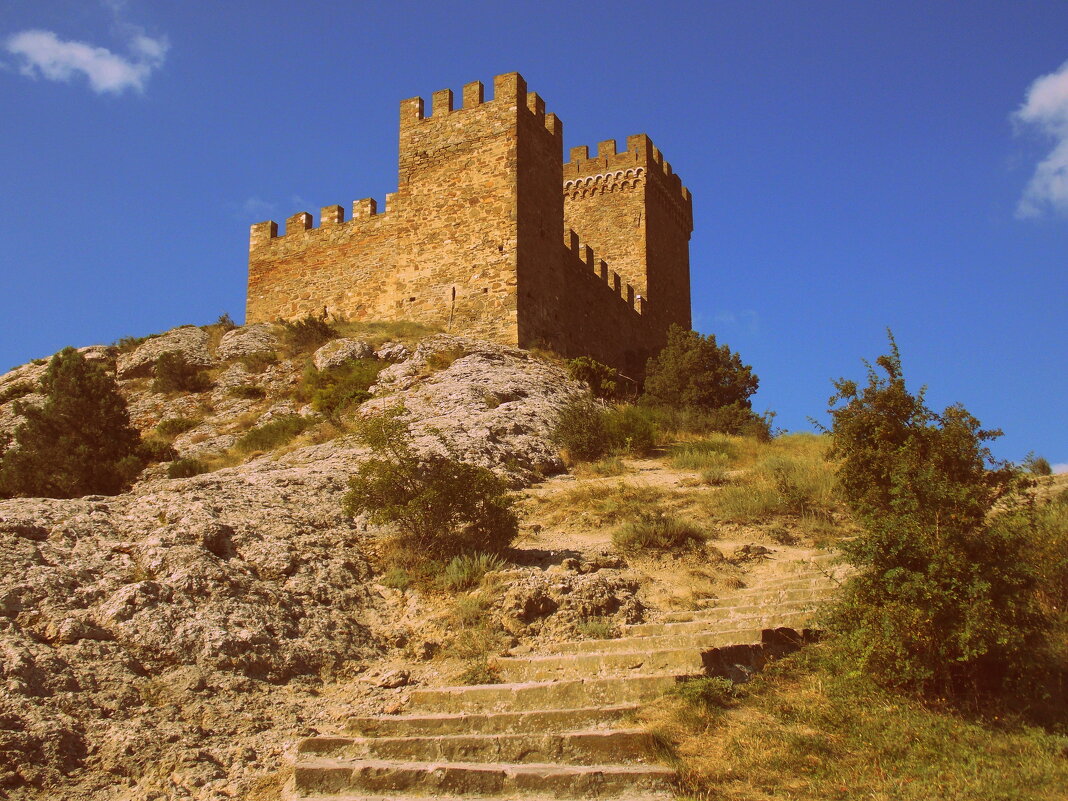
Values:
[(805, 730), (603, 468), (596, 504), (379, 332)]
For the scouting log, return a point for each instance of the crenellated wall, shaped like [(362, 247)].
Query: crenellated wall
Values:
[(470, 241)]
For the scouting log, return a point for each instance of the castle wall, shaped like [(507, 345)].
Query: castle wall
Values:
[(470, 241)]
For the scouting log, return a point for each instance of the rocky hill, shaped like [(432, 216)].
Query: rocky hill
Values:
[(173, 640)]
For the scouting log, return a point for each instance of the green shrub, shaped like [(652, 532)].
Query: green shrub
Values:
[(438, 506), (186, 468), (173, 373), (630, 429), (331, 391), (1035, 465), (397, 578), (225, 322), (588, 431), (582, 431), (602, 380), (693, 372), (943, 603), (154, 450), (306, 334), (597, 628), (247, 392), (655, 531), (466, 570), (78, 442), (173, 426), (126, 344), (17, 390), (273, 433), (260, 361)]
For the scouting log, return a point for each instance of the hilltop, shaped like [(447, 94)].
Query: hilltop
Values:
[(177, 640)]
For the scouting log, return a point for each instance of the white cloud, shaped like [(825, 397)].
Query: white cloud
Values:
[(1045, 110), (43, 54), (1061, 467)]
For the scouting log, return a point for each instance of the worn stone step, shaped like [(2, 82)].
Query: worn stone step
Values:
[(694, 641), (755, 618), (675, 661), (541, 695), (762, 600), (541, 720), (323, 776), (597, 746), (291, 795)]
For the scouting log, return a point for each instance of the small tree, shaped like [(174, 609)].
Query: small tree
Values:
[(78, 442), (439, 506), (174, 373), (944, 602), (693, 372), (602, 379)]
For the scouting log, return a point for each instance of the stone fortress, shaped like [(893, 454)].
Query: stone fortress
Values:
[(471, 239)]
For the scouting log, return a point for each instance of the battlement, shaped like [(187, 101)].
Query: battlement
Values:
[(509, 91), (639, 154), (470, 240), (585, 257)]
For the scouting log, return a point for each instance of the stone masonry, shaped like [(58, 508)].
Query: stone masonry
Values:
[(471, 239)]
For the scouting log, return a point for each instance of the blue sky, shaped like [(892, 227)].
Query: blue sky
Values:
[(854, 166)]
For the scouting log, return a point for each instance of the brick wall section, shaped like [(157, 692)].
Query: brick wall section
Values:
[(471, 239)]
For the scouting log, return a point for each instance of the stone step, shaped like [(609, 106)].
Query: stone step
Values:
[(765, 600), (764, 619), (597, 746), (542, 720), (290, 795), (695, 641), (543, 695), (321, 776), (675, 661)]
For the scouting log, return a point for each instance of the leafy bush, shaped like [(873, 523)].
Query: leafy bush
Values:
[(17, 390), (330, 391), (154, 450), (78, 442), (466, 570), (655, 531), (693, 372), (247, 392), (588, 431), (175, 374), (260, 361), (602, 379), (273, 433), (186, 468), (127, 344), (943, 602), (306, 334), (1037, 465), (173, 426), (438, 506), (582, 431)]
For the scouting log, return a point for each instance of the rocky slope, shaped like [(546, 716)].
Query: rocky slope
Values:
[(172, 641)]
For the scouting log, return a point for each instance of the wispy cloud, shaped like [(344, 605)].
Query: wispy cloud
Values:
[(259, 208), (42, 54), (1060, 467), (1045, 111)]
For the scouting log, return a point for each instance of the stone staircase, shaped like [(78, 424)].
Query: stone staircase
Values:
[(560, 725)]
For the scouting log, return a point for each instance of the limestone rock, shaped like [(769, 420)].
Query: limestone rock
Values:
[(188, 340), (338, 351), (247, 340), (393, 352)]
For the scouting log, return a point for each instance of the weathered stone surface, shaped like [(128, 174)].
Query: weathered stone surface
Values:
[(338, 351), (393, 352), (188, 340), (247, 340)]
